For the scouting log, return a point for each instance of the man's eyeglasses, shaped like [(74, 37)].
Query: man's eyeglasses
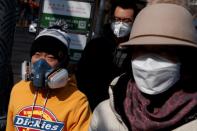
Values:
[(126, 20)]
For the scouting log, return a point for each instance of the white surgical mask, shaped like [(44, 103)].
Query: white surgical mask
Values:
[(154, 74), (120, 29)]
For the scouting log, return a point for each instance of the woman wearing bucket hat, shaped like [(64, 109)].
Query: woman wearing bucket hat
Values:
[(159, 93), (47, 98)]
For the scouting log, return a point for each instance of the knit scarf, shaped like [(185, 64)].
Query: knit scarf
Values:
[(161, 112)]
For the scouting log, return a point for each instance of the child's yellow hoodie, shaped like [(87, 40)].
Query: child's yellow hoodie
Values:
[(63, 109)]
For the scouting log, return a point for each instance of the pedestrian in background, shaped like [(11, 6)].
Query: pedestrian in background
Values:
[(159, 93), (34, 4), (97, 66), (25, 14), (49, 98)]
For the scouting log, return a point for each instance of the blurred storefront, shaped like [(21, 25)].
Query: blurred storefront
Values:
[(28, 11), (85, 18), (84, 24)]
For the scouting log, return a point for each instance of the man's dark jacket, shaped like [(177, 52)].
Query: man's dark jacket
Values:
[(96, 68)]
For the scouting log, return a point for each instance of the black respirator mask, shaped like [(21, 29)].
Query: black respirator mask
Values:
[(42, 75)]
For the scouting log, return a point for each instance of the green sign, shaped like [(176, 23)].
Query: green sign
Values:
[(77, 16), (74, 23)]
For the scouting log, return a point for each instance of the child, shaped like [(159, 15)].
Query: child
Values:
[(50, 100)]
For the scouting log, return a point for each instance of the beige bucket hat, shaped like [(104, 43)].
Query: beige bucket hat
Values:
[(163, 24)]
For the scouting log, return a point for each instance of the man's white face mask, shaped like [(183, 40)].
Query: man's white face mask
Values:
[(154, 74), (121, 29)]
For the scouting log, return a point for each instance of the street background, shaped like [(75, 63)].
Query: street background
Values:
[(28, 12)]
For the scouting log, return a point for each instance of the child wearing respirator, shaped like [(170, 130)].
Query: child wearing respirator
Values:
[(47, 98)]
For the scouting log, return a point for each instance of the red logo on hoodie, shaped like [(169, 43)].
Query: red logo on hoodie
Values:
[(38, 120)]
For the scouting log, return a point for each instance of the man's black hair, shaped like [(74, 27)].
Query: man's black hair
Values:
[(125, 4)]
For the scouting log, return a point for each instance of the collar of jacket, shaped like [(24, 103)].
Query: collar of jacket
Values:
[(117, 94)]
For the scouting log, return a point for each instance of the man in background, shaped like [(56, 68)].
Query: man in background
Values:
[(99, 64)]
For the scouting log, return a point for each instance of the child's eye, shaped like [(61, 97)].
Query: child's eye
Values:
[(50, 58), (37, 53)]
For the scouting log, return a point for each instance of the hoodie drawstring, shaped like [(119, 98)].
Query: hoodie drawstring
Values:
[(43, 108), (33, 105)]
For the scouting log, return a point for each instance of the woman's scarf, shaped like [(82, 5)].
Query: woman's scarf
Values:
[(162, 112)]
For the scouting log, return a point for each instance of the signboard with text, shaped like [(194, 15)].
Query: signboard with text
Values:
[(76, 15), (78, 43)]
